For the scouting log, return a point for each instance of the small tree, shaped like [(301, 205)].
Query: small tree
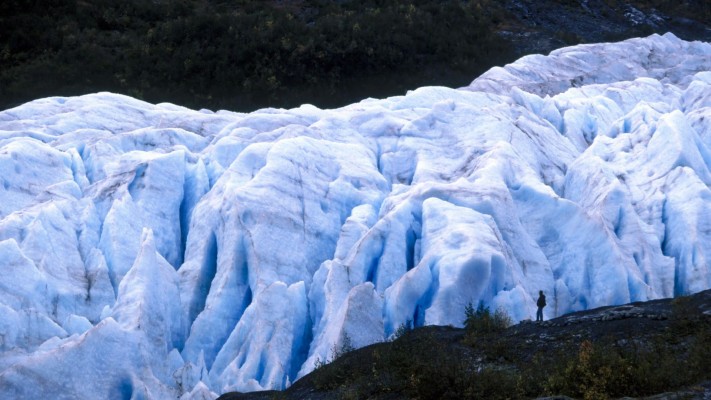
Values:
[(336, 352), (402, 329), (346, 347), (482, 321)]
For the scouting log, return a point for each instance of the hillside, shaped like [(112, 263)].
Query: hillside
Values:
[(542, 26), (659, 348), (244, 55)]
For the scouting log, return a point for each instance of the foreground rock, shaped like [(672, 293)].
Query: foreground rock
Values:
[(668, 325)]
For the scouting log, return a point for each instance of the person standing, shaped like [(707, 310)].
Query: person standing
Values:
[(540, 303)]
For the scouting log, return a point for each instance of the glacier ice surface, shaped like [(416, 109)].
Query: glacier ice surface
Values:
[(152, 251)]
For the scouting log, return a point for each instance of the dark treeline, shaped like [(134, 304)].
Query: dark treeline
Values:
[(243, 55)]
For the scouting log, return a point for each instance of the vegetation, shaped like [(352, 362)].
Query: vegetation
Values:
[(482, 322), (604, 370), (336, 352), (242, 54), (486, 363), (402, 329)]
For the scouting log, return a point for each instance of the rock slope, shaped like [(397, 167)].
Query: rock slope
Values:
[(660, 325)]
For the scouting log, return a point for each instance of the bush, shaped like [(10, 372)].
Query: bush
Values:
[(587, 376), (336, 352), (402, 330), (482, 321), (603, 370), (332, 378)]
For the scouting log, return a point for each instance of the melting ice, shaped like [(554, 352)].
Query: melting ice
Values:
[(152, 251)]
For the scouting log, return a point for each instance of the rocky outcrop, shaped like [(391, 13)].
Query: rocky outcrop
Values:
[(628, 327)]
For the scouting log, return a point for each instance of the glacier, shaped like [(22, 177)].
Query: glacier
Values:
[(153, 251)]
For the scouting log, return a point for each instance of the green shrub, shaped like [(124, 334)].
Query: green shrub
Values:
[(603, 370), (336, 352), (482, 321), (589, 375), (402, 329), (331, 378), (346, 347)]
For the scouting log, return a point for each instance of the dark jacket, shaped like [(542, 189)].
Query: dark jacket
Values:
[(541, 301)]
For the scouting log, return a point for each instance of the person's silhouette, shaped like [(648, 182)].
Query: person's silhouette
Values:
[(540, 303)]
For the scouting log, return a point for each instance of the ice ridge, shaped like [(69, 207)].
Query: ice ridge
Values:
[(152, 251)]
